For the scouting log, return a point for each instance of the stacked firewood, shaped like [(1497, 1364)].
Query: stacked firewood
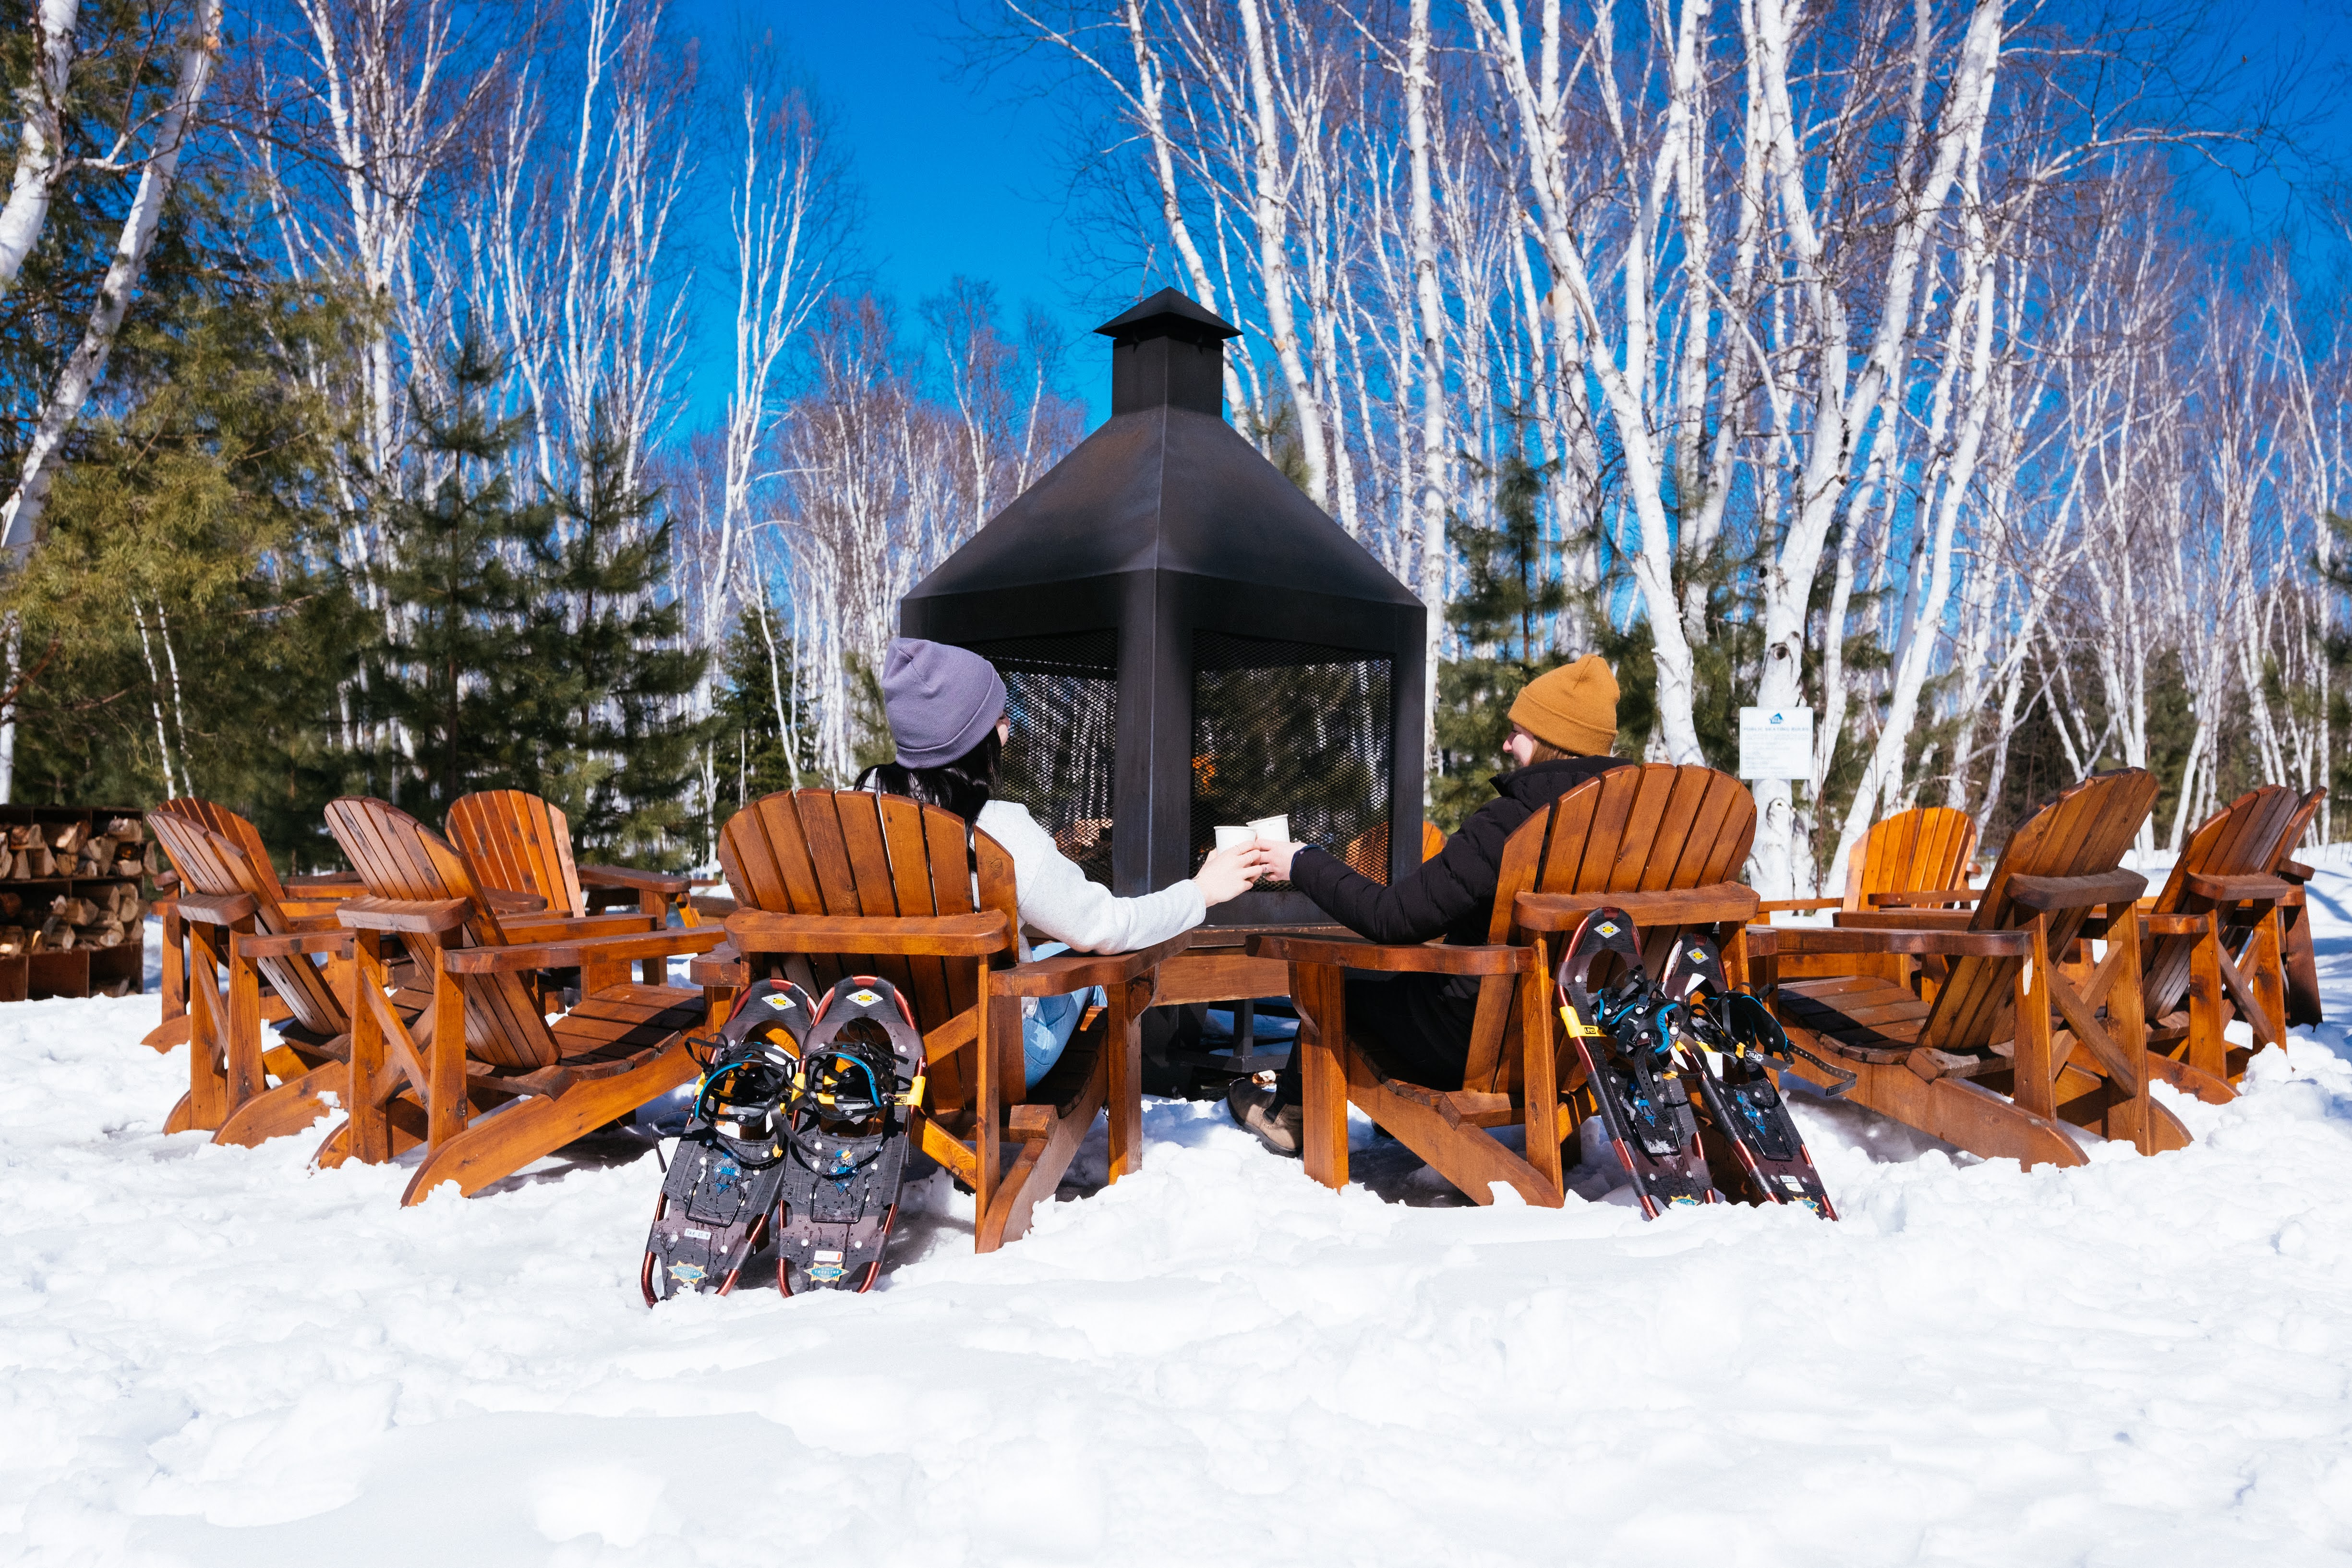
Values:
[(37, 850), (94, 917)]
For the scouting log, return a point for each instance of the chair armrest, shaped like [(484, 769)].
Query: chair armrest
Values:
[(1902, 920), (1069, 971), (2295, 871), (587, 950), (934, 936), (531, 927), (1402, 958), (713, 906), (2239, 889), (722, 965), (326, 885), (2048, 895), (216, 909), (1925, 897), (625, 876), (287, 944), (2175, 924), (1796, 906), (416, 917), (1713, 905), (315, 912), (1871, 939), (512, 902)]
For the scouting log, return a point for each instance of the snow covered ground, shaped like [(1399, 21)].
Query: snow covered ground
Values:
[(212, 1355)]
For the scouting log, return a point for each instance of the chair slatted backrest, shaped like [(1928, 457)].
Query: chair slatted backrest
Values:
[(2083, 831), (852, 852), (399, 857), (1913, 851), (1653, 828), (2246, 837), (1650, 828), (520, 843), (221, 864), (2298, 823), (220, 820)]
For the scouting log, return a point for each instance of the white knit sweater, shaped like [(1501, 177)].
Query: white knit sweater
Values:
[(1058, 899)]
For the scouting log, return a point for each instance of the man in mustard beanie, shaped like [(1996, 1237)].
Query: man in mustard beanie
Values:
[(1562, 724)]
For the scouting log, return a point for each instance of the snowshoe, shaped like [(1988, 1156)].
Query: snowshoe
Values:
[(845, 1137), (718, 1196), (1619, 1035), (1745, 1112)]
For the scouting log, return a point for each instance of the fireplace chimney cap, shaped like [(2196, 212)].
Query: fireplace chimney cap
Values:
[(1169, 314)]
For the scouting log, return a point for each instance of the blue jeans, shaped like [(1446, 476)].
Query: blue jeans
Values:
[(1046, 1029)]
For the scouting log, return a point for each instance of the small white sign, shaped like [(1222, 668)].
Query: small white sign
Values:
[(1775, 742)]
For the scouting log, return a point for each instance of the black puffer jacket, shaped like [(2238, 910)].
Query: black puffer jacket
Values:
[(1452, 893)]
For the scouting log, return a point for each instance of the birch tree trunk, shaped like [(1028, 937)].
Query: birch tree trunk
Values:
[(20, 517), (41, 143)]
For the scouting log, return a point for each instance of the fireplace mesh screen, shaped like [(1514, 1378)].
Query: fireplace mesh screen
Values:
[(1285, 728), (1062, 694)]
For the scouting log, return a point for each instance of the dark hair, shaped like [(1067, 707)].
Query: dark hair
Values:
[(963, 786)]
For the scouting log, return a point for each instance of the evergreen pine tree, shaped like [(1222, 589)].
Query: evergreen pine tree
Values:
[(1500, 620), (601, 730), (757, 672), (455, 675)]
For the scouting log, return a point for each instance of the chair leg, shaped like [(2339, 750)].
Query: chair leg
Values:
[(1319, 992), (2208, 1050), (1123, 1091), (207, 1101), (292, 1106), (1959, 1112), (1036, 1169), (494, 1146)]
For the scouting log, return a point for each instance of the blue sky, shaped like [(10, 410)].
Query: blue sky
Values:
[(956, 176)]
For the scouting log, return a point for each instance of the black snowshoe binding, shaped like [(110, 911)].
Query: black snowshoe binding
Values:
[(1754, 1137), (1619, 1034), (717, 1200), (845, 1137)]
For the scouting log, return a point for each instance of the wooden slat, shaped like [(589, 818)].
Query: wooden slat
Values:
[(875, 890), (911, 875)]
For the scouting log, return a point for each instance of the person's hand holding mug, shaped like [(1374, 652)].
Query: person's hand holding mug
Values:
[(1227, 873), (1278, 859)]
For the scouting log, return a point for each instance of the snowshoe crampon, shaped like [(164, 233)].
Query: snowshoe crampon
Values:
[(718, 1197), (845, 1137), (1618, 1033), (1733, 1050)]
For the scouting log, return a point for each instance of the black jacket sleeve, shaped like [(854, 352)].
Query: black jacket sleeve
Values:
[(1458, 883)]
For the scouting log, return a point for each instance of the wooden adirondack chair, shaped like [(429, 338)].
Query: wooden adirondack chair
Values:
[(2302, 978), (1899, 862), (1662, 843), (1980, 1066), (2215, 936), (300, 897), (831, 883), (229, 899), (484, 1044), (519, 841)]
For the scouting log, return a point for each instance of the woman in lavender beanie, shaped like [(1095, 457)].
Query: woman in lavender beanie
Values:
[(946, 709)]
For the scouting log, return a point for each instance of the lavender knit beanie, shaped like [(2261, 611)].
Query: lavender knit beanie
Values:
[(940, 700)]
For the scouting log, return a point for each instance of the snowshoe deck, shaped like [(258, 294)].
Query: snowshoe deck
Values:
[(1750, 1135), (717, 1200), (845, 1137), (1617, 1035)]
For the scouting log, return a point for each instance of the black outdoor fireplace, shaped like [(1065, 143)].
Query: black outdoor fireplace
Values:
[(1188, 640)]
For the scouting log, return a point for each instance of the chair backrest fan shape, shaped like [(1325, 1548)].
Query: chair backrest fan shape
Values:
[(520, 843), (400, 858), (2083, 831), (1918, 850), (225, 865)]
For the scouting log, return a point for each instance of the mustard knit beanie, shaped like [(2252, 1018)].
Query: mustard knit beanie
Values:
[(1573, 707)]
